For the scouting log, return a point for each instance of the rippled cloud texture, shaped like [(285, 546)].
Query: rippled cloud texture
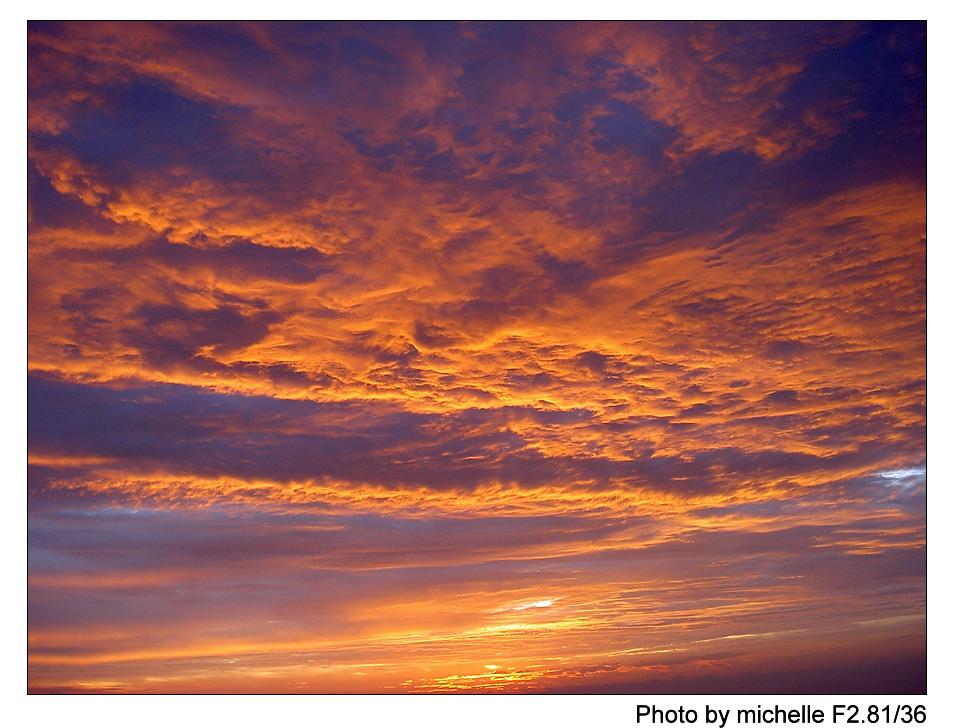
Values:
[(476, 357)]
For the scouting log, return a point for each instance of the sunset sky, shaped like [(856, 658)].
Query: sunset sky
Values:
[(437, 357)]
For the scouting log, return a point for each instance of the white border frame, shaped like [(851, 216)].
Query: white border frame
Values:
[(477, 711)]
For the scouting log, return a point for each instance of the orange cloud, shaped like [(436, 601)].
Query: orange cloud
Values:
[(475, 357)]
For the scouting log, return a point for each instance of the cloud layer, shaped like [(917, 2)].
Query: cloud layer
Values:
[(450, 357)]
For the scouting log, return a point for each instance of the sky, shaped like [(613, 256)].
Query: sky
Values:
[(476, 357)]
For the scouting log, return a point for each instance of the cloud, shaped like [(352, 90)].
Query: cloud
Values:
[(347, 338)]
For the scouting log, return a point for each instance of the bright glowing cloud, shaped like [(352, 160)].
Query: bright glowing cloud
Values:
[(542, 603)]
